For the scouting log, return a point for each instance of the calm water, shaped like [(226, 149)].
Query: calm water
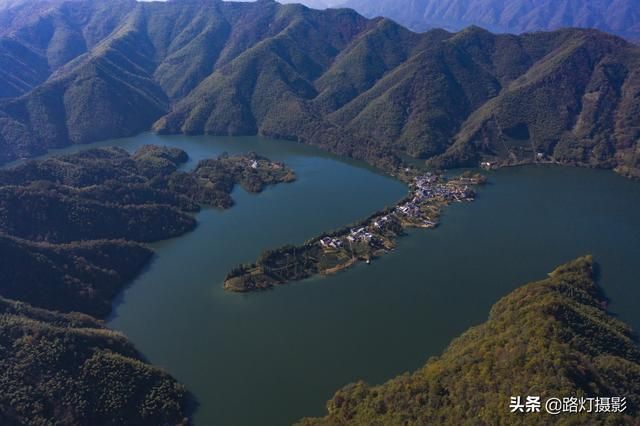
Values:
[(270, 358)]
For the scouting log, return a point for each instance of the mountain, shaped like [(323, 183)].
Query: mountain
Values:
[(71, 234), (369, 89), (552, 339), (621, 17), (78, 277), (315, 4), (38, 37), (71, 370)]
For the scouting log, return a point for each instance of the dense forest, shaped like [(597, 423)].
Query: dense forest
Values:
[(80, 71), (71, 227), (68, 369), (552, 338), (72, 233)]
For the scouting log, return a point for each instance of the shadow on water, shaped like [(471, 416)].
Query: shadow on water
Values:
[(192, 405), (119, 298)]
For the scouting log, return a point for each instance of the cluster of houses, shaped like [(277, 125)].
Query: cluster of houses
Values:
[(425, 187), (488, 165), (409, 209), (360, 235), (381, 222), (412, 211), (331, 243)]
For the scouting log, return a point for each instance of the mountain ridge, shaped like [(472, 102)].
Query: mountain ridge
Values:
[(620, 17), (369, 89)]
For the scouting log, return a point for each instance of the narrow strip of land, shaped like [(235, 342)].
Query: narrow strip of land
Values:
[(361, 242)]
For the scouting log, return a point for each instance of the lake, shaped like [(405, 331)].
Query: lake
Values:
[(270, 358)]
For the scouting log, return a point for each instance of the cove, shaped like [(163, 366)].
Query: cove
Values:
[(271, 358)]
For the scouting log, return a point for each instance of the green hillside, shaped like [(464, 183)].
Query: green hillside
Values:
[(71, 234), (40, 37), (552, 338), (368, 89), (80, 277), (71, 370), (71, 226)]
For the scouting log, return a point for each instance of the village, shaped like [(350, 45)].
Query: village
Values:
[(329, 253), (428, 192), (364, 241)]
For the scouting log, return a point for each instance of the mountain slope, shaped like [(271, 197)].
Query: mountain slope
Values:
[(79, 277), (620, 17), (37, 38), (71, 229), (577, 105), (552, 338), (368, 89), (434, 95), (70, 369)]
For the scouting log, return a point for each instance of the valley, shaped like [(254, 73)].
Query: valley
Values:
[(417, 284)]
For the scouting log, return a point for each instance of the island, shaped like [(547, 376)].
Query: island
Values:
[(73, 231), (364, 241), (549, 339)]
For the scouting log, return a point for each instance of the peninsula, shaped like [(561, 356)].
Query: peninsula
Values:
[(73, 230), (549, 339), (74, 226), (363, 241)]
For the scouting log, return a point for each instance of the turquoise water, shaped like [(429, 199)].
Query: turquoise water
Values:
[(271, 358)]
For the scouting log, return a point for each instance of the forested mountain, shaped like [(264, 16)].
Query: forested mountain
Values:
[(71, 234), (369, 89), (71, 370), (80, 276), (39, 37), (71, 227), (620, 17), (552, 338)]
